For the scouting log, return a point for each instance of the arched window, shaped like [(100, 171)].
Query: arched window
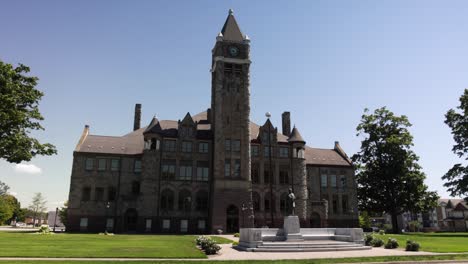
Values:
[(167, 200), (185, 200), (202, 201), (256, 201), (269, 204)]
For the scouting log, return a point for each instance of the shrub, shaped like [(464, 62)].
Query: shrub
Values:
[(412, 245), (368, 239), (381, 232), (388, 228), (201, 240), (236, 235), (44, 229), (391, 243), (235, 243), (207, 244), (377, 242)]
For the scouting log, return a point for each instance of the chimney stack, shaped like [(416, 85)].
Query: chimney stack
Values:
[(286, 120), (137, 120)]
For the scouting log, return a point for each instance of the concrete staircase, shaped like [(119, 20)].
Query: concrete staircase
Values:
[(308, 246)]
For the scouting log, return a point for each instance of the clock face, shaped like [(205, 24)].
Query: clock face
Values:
[(233, 51)]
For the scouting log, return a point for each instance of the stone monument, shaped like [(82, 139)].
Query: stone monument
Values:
[(291, 226)]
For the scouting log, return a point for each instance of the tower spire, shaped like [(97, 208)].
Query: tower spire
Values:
[(231, 30)]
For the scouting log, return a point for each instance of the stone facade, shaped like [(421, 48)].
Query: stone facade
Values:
[(213, 171)]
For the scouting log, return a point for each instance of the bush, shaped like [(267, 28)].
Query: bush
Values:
[(235, 243), (377, 242), (236, 235), (388, 228), (201, 240), (44, 229), (207, 244), (368, 239), (391, 243), (381, 232), (412, 245)]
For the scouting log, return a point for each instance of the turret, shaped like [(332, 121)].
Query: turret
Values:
[(299, 174)]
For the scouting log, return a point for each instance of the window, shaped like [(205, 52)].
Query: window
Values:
[(202, 171), (136, 187), (323, 181), (227, 168), (201, 224), (167, 200), (300, 153), (344, 204), (99, 194), (266, 137), (166, 224), (254, 151), (343, 181), (185, 171), (115, 165), (203, 147), (256, 201), (335, 204), (169, 145), (254, 172), (186, 146), (228, 68), (267, 204), (110, 224), (267, 177), (284, 176), (83, 222), (183, 225), (236, 145), (284, 203), (185, 200), (168, 170), (111, 193), (86, 194), (101, 164), (237, 167), (89, 164), (137, 166), (148, 224), (227, 145), (333, 181), (284, 152), (266, 151), (202, 201)]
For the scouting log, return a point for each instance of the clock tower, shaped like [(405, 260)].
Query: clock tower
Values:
[(230, 120)]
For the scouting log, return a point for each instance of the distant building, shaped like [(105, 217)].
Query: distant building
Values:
[(215, 170), (453, 215), (51, 219)]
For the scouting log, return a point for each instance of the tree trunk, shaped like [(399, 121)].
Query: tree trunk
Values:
[(395, 228)]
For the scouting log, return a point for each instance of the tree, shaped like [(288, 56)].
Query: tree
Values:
[(364, 221), (3, 188), (63, 214), (38, 206), (14, 205), (388, 176), (457, 177), (19, 115), (6, 212)]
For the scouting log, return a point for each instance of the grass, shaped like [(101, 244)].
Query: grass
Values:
[(433, 242)]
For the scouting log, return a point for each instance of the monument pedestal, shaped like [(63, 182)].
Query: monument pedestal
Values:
[(292, 228)]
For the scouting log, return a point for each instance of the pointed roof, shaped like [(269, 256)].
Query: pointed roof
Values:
[(188, 120), (295, 136), (231, 30), (153, 127)]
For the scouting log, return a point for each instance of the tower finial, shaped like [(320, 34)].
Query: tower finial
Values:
[(231, 12)]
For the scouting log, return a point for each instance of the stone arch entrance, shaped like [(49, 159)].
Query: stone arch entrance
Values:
[(315, 221), (232, 219), (131, 219)]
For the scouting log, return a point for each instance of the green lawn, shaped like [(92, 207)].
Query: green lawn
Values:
[(93, 245), (434, 242)]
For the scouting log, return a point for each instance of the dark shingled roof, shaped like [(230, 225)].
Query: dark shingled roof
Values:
[(231, 30), (295, 136), (133, 143)]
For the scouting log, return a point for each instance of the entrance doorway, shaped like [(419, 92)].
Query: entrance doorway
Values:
[(315, 221), (131, 219), (232, 216)]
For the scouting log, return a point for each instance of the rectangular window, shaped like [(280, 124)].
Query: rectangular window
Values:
[(267, 205), (99, 194), (237, 167), (203, 147), (185, 171), (101, 164), (266, 137), (110, 224), (111, 193), (236, 145), (254, 172), (89, 164), (227, 168), (86, 194), (83, 222), (169, 145), (137, 166), (148, 224), (254, 151), (343, 181), (227, 145), (135, 187), (284, 152), (333, 181), (267, 177), (166, 224), (335, 204), (201, 224), (323, 181), (168, 170), (186, 146), (344, 204), (115, 165), (284, 176), (266, 151), (183, 225), (202, 171)]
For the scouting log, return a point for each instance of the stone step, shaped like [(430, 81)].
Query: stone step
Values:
[(309, 246), (322, 249), (323, 242)]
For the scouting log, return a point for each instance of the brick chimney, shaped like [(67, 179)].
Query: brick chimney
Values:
[(286, 121), (137, 120)]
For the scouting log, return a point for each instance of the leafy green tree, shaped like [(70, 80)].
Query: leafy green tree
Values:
[(14, 205), (6, 212), (63, 214), (457, 177), (388, 176), (364, 220), (3, 188), (38, 206), (19, 115)]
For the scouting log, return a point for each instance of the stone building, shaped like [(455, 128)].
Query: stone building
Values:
[(214, 170)]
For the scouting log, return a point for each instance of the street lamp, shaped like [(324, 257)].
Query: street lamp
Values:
[(107, 210), (55, 218), (270, 172)]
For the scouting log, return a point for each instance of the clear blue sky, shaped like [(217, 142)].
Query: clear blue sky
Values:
[(324, 61)]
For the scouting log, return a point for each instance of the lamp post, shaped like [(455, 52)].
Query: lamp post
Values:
[(270, 172), (55, 218), (107, 210)]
